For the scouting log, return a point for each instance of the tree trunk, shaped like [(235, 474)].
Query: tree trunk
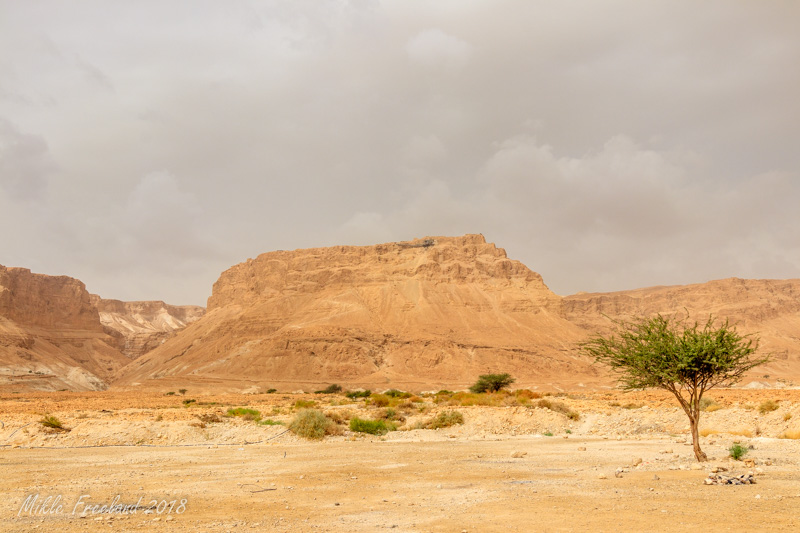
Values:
[(694, 423)]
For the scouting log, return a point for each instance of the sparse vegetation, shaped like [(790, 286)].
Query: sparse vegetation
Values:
[(330, 389), (548, 433), (245, 413), (787, 417), (187, 403), (355, 394), (444, 419), (380, 400), (170, 393), (793, 434), (373, 427), (304, 404), (394, 393), (632, 406), (737, 451), (492, 383), (310, 424), (768, 406), (52, 422), (270, 422), (558, 407), (183, 391), (272, 391)]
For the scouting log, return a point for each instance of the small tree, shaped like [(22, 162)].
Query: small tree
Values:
[(685, 359), (492, 382)]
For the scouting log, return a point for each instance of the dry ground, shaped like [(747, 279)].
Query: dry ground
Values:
[(237, 476)]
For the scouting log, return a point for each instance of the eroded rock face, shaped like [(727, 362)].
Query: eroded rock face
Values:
[(424, 313), (50, 334), (142, 326)]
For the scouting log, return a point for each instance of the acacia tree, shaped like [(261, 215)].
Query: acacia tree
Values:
[(686, 359)]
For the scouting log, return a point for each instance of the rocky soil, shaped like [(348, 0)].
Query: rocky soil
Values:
[(625, 464)]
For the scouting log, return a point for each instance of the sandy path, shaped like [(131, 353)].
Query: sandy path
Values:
[(370, 485)]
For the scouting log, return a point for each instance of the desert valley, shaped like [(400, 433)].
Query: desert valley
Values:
[(191, 412)]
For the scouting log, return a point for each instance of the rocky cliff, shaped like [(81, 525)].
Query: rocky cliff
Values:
[(50, 334), (422, 314), (139, 327)]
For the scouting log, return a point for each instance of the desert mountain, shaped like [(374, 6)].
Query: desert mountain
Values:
[(51, 337), (430, 313), (138, 327), (55, 335), (422, 314)]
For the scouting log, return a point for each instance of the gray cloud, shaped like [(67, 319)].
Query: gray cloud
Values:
[(607, 144)]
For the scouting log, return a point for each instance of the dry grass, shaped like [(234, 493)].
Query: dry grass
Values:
[(705, 432), (742, 432), (793, 434), (768, 406)]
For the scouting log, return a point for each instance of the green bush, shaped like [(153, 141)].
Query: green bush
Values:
[(445, 419), (380, 400), (737, 451), (373, 427), (492, 382), (50, 421), (245, 413), (394, 393), (330, 389), (310, 424), (272, 391), (187, 403)]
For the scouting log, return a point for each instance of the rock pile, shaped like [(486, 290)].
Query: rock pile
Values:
[(716, 478)]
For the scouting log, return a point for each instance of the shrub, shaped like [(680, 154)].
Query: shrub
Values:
[(245, 413), (211, 418), (548, 433), (787, 417), (492, 382), (353, 394), (445, 419), (270, 422), (524, 395), (187, 403), (373, 427), (380, 400), (170, 393), (793, 434), (709, 404), (394, 393), (767, 406), (310, 424), (50, 421), (632, 406), (737, 451), (183, 391), (304, 404), (330, 389), (272, 391), (558, 407)]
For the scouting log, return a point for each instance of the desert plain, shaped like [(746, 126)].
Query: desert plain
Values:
[(622, 464)]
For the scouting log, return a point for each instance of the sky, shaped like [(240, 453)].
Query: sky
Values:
[(147, 146)]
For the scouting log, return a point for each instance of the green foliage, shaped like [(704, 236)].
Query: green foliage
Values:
[(684, 358), (310, 424), (737, 451), (245, 413), (187, 403), (170, 393), (445, 419), (373, 427), (394, 393), (353, 394), (50, 421), (183, 391), (492, 383), (768, 406), (548, 433), (330, 389)]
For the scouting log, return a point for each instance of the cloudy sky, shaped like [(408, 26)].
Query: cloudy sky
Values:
[(145, 146)]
